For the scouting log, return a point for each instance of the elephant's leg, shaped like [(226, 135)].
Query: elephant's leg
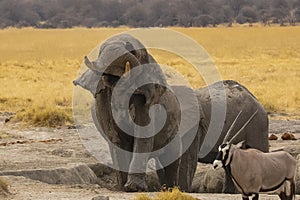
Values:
[(142, 145), (229, 186), (171, 170), (189, 162), (160, 171), (121, 163), (172, 174), (137, 170)]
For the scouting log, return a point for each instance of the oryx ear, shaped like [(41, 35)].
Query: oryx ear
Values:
[(240, 144)]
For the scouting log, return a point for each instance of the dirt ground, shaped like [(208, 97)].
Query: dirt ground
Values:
[(48, 148)]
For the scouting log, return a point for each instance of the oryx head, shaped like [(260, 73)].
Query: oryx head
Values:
[(226, 149)]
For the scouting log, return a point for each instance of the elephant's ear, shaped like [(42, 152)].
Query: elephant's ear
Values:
[(89, 80)]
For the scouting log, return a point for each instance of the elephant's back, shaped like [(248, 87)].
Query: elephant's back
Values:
[(235, 99)]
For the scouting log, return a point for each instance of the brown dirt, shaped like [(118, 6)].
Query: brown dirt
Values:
[(47, 148)]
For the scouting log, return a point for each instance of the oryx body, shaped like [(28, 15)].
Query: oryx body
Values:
[(254, 171)]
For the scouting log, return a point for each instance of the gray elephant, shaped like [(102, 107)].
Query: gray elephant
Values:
[(121, 55), (238, 98)]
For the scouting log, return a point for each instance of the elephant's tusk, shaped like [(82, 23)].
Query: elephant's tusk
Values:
[(127, 67)]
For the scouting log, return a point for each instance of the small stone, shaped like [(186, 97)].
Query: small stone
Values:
[(100, 198), (288, 136), (273, 137), (293, 136)]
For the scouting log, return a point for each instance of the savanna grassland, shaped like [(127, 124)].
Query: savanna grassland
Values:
[(37, 66)]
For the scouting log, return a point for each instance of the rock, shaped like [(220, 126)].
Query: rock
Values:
[(100, 169), (273, 137), (62, 152), (198, 182), (288, 136), (80, 174), (214, 180), (152, 181), (7, 119), (100, 198), (208, 180), (298, 175)]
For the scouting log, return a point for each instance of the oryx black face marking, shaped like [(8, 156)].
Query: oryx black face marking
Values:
[(223, 153)]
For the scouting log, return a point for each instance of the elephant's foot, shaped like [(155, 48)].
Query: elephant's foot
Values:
[(136, 183), (122, 179)]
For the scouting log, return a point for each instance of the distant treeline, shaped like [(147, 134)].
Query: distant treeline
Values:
[(146, 13)]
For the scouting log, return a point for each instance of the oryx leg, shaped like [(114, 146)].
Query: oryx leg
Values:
[(229, 186), (282, 196), (293, 189), (255, 197), (245, 197), (289, 189)]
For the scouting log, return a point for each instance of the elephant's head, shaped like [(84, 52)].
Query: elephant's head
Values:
[(117, 56)]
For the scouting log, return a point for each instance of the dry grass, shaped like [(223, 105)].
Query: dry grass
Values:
[(38, 66), (37, 69), (173, 194), (265, 59), (3, 186)]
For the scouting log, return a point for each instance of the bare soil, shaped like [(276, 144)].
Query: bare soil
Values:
[(48, 148)]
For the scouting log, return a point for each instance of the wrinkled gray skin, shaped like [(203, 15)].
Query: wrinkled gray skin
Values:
[(181, 171), (255, 133), (112, 67)]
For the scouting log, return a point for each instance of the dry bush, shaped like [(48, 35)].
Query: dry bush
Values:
[(40, 116), (172, 194)]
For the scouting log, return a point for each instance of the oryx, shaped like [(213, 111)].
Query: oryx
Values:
[(253, 171)]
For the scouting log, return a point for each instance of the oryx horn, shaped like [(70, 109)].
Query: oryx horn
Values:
[(231, 127), (243, 126)]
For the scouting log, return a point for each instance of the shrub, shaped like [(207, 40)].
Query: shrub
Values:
[(171, 194), (41, 116)]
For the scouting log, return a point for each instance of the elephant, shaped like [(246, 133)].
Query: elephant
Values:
[(120, 55), (238, 98), (118, 58)]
